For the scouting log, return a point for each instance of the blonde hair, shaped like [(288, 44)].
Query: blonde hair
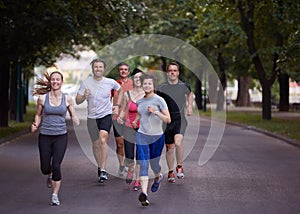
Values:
[(43, 85)]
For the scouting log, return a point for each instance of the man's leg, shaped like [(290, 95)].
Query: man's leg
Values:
[(118, 133), (170, 157), (103, 135), (178, 139), (97, 152), (120, 150)]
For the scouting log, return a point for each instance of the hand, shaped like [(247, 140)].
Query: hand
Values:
[(75, 120), (189, 111), (34, 127), (87, 92), (120, 120), (115, 109), (151, 109), (134, 124)]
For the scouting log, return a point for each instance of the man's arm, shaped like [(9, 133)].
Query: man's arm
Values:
[(80, 98), (190, 100), (119, 101)]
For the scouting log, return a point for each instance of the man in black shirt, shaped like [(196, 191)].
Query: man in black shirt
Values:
[(177, 95)]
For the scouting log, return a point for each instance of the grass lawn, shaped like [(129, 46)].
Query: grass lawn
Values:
[(15, 127), (288, 127)]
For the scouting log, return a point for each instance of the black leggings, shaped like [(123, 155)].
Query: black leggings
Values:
[(129, 144), (52, 149)]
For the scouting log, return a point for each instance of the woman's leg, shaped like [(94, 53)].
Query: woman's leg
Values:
[(45, 154), (59, 149)]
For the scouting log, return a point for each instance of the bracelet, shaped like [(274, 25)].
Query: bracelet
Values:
[(156, 113), (117, 105)]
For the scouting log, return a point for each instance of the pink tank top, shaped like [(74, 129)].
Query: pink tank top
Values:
[(132, 112)]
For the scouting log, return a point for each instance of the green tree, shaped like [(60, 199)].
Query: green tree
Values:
[(37, 32), (267, 31)]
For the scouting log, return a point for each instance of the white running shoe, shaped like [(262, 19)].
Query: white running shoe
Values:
[(55, 200)]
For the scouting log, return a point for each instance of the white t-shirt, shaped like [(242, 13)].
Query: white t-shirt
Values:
[(99, 100)]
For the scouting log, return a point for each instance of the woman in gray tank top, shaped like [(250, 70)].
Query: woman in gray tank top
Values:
[(52, 106)]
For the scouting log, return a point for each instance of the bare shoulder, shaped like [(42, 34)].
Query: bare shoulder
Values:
[(41, 99), (69, 100)]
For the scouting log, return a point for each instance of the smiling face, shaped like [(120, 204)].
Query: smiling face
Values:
[(98, 69), (137, 79), (148, 86), (56, 80), (124, 71)]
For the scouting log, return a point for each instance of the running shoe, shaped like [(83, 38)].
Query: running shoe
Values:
[(136, 186), (156, 183), (54, 200), (121, 170), (49, 181), (179, 171), (129, 177), (103, 176), (171, 177), (143, 198)]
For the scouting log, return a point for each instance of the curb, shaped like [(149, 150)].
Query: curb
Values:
[(14, 136), (268, 133)]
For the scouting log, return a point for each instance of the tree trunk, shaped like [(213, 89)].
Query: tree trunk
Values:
[(13, 95), (247, 20), (212, 88), (4, 86), (266, 101), (198, 94), (243, 96), (283, 80), (26, 97), (223, 83), (221, 99)]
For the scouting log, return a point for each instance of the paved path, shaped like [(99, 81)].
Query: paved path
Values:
[(249, 173)]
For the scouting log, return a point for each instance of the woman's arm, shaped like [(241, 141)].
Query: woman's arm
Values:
[(164, 115), (135, 122), (38, 115)]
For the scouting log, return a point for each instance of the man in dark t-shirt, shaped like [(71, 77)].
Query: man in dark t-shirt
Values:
[(177, 95)]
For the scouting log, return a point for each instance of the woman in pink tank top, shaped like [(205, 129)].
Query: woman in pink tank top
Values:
[(127, 116)]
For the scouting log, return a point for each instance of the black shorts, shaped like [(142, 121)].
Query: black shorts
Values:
[(95, 125), (175, 127)]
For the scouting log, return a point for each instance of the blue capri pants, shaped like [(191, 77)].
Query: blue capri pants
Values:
[(148, 150)]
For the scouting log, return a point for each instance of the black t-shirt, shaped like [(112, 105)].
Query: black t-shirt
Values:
[(175, 97)]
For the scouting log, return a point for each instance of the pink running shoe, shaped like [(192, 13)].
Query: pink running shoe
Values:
[(136, 186), (179, 171), (171, 177)]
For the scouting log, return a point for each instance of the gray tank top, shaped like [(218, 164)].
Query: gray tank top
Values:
[(54, 118)]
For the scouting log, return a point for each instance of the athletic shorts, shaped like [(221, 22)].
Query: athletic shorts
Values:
[(149, 146), (175, 127), (95, 125)]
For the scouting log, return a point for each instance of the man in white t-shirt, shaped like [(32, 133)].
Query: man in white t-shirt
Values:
[(97, 91)]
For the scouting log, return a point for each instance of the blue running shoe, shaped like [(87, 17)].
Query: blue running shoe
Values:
[(156, 183)]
